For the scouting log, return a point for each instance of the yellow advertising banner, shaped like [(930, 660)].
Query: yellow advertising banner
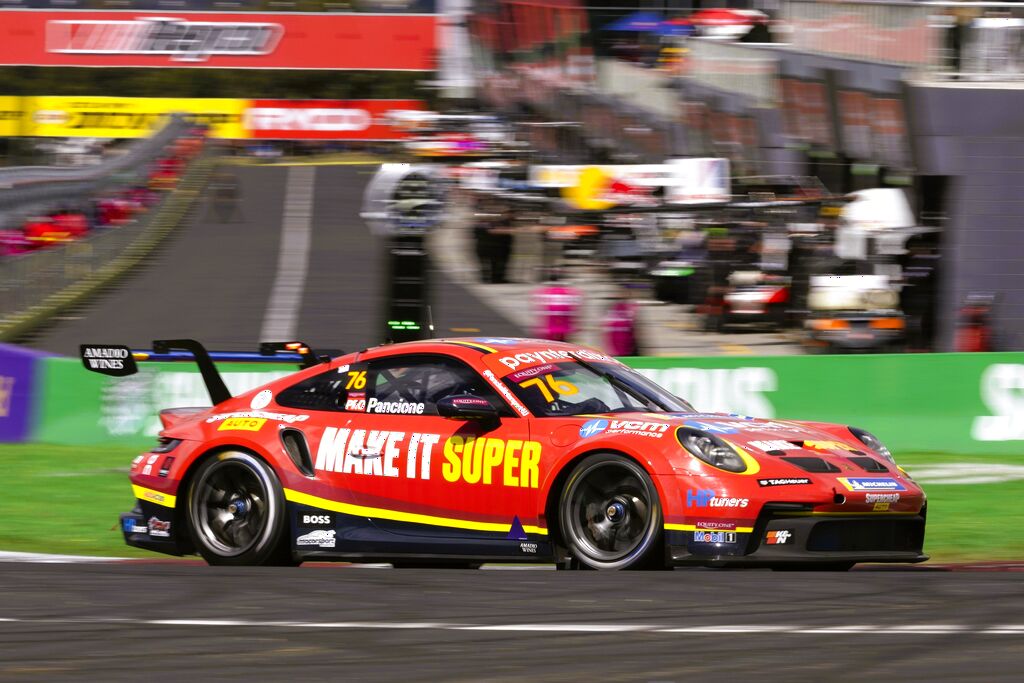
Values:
[(10, 116), (123, 117)]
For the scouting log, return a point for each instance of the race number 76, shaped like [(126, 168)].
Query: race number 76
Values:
[(559, 387)]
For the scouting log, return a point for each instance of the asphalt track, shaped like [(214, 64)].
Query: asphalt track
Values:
[(179, 621), (212, 280)]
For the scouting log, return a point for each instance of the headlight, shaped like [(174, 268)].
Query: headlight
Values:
[(711, 450), (872, 442)]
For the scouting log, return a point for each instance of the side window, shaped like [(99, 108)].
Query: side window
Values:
[(412, 385), (325, 391)]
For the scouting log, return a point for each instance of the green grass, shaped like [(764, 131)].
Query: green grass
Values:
[(972, 521), (62, 499)]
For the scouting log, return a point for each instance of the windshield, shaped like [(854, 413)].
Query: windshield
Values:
[(571, 388)]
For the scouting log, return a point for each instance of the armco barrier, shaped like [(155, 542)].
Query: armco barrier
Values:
[(943, 403)]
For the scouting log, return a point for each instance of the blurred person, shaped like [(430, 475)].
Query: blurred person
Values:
[(493, 234), (918, 295), (974, 327), (621, 325), (556, 306), (502, 235), (482, 243)]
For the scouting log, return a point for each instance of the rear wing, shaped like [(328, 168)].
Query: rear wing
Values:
[(120, 361)]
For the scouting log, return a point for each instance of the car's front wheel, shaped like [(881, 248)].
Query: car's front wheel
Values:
[(236, 511), (610, 516)]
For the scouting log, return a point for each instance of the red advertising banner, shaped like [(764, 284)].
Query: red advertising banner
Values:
[(324, 119), (218, 40)]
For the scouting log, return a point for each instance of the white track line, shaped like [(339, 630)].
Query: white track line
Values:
[(767, 629), (42, 558), (282, 314)]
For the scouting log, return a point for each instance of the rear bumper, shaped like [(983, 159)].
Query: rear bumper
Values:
[(780, 539), (153, 528)]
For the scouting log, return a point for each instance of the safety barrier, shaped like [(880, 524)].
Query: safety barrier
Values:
[(23, 188), (941, 403), (38, 285)]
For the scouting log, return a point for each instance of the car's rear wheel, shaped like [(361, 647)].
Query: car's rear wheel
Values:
[(610, 516), (236, 512)]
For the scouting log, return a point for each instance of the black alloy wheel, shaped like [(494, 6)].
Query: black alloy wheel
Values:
[(610, 516), (236, 512)]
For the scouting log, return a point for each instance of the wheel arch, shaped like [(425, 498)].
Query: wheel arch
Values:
[(181, 503), (554, 492)]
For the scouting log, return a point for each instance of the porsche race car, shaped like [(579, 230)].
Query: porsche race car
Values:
[(462, 451)]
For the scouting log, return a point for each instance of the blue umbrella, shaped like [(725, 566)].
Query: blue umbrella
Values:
[(636, 22)]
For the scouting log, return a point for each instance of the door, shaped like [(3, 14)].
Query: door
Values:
[(419, 474)]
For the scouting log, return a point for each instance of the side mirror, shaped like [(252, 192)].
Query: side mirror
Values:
[(466, 407)]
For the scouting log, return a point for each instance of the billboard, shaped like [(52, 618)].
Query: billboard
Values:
[(596, 188), (228, 119), (323, 119), (125, 117), (10, 116), (966, 403), (335, 40)]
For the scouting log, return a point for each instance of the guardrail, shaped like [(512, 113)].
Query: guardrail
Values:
[(38, 285), (24, 189)]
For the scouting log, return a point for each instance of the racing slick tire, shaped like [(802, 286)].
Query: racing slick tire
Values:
[(236, 512), (610, 517)]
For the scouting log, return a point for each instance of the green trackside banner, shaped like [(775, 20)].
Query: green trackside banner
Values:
[(79, 407), (943, 403)]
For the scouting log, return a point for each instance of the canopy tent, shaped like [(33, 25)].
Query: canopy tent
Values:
[(677, 27), (638, 22)]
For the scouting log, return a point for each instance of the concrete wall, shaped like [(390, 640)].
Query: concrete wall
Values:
[(974, 133)]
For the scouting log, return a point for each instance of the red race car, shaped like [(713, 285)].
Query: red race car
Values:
[(461, 451)]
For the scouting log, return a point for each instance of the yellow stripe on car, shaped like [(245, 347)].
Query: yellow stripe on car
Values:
[(142, 493), (693, 527), (378, 513), (474, 345)]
